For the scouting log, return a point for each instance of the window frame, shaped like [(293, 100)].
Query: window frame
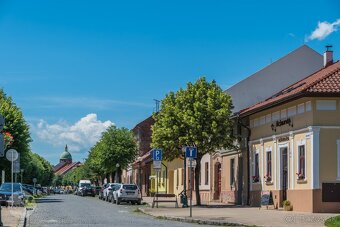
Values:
[(232, 171), (299, 161), (269, 165)]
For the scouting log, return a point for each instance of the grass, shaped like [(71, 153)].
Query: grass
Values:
[(333, 221)]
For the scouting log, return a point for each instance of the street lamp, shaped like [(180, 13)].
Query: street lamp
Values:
[(116, 177)]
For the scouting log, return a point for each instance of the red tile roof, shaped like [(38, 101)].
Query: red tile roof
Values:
[(67, 168), (326, 81)]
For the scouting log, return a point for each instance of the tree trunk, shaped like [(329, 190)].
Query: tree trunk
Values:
[(197, 179)]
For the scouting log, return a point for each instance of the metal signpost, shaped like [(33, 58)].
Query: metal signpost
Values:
[(157, 166), (2, 154), (12, 155), (191, 153)]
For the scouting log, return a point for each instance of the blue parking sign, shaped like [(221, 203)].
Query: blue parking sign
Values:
[(191, 152), (157, 155)]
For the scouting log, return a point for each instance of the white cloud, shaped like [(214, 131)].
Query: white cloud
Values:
[(323, 30), (80, 136)]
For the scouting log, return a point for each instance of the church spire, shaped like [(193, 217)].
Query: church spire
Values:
[(66, 148)]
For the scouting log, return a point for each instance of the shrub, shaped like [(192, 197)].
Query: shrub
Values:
[(333, 221), (286, 203)]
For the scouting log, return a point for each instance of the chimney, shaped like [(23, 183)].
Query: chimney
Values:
[(328, 56)]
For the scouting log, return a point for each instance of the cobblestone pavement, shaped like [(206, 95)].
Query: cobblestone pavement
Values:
[(71, 210)]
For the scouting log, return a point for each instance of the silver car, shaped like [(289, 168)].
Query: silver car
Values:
[(127, 193), (107, 192)]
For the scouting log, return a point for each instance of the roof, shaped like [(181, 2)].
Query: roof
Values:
[(66, 155), (323, 82), (287, 70), (67, 168), (59, 166)]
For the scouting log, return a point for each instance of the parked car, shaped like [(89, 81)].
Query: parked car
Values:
[(6, 194), (127, 193), (87, 190), (101, 192), (82, 184), (107, 193), (97, 188)]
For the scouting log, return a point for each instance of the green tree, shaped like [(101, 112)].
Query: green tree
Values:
[(16, 125), (199, 116), (39, 168), (116, 146)]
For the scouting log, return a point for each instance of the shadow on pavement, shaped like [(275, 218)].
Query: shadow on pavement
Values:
[(49, 200)]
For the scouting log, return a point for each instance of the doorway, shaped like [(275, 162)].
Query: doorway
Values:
[(217, 181), (284, 172)]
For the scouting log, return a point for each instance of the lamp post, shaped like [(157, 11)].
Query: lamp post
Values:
[(116, 177)]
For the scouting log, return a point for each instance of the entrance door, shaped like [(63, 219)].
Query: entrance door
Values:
[(171, 181), (284, 172), (217, 181)]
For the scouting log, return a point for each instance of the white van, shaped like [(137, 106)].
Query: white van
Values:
[(81, 185)]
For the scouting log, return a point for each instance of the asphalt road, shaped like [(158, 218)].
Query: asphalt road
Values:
[(71, 210)]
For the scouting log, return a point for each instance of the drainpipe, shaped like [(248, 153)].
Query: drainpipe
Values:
[(239, 120)]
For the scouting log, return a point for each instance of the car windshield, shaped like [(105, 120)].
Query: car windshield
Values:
[(8, 187), (87, 185), (130, 187)]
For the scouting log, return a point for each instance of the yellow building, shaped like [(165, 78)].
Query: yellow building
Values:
[(295, 144)]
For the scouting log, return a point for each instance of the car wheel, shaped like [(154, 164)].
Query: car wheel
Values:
[(133, 203), (118, 201), (139, 202)]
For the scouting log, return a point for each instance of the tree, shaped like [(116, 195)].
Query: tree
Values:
[(39, 168), (17, 128), (198, 116), (116, 146)]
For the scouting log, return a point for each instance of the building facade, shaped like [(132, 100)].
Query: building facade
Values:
[(295, 144)]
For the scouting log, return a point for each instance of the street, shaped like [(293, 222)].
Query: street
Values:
[(71, 210)]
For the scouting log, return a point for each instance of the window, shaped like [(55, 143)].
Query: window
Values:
[(232, 171), (182, 170), (326, 104), (177, 177), (301, 174), (256, 176), (269, 166), (301, 108), (206, 177)]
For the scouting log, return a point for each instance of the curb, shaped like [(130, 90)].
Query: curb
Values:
[(193, 220), (22, 221)]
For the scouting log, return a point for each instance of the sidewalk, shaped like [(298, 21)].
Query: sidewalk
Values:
[(225, 214), (12, 216)]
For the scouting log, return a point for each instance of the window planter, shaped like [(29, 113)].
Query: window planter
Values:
[(256, 179)]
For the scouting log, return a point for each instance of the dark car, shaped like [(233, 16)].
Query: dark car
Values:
[(87, 190), (6, 192), (98, 188), (101, 192)]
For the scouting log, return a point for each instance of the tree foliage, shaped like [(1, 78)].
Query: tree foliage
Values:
[(17, 127), (39, 168), (116, 146), (199, 116)]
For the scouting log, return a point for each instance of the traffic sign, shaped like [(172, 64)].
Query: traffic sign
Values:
[(157, 164), (191, 163), (191, 152), (157, 155), (12, 155), (2, 145)]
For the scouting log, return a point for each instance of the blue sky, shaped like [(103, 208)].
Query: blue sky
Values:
[(75, 67)]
